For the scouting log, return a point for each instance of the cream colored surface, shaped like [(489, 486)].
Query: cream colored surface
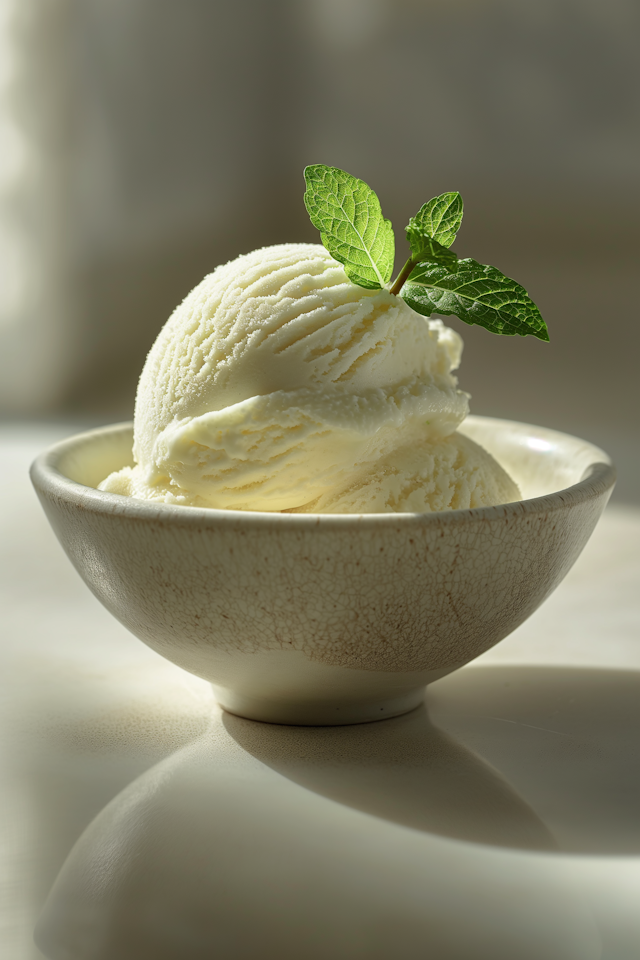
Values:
[(452, 473), (225, 835), (278, 384), (268, 607)]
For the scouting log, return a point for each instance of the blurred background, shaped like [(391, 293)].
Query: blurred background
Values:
[(142, 142)]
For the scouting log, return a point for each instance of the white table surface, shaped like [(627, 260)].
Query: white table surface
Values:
[(505, 823)]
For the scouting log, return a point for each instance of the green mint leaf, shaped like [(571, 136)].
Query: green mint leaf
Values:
[(347, 213), (429, 250), (440, 219), (476, 294)]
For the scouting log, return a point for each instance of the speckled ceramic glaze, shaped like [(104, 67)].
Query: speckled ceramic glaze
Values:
[(319, 619)]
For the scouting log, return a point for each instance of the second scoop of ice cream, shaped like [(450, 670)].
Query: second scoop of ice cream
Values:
[(280, 385)]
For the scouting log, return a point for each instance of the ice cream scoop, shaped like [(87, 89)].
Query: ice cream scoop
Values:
[(280, 385)]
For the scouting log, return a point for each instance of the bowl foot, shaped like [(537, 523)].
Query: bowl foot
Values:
[(319, 713)]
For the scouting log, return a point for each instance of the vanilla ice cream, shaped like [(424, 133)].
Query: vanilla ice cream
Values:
[(280, 385)]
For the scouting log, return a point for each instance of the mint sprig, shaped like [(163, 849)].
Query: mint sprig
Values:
[(348, 215), (433, 280)]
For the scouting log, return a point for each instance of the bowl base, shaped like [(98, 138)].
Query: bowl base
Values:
[(318, 714)]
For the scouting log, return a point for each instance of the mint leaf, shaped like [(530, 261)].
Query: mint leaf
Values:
[(440, 218), (432, 251), (348, 215), (476, 294)]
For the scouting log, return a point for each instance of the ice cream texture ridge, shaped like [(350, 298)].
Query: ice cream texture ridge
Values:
[(280, 385)]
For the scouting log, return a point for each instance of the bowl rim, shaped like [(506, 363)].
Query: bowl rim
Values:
[(598, 480)]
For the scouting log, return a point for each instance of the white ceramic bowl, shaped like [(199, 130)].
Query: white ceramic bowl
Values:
[(320, 619)]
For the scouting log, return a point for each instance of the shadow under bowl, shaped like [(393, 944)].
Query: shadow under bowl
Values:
[(326, 619)]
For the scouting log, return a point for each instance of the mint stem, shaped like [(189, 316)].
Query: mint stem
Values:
[(402, 276)]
